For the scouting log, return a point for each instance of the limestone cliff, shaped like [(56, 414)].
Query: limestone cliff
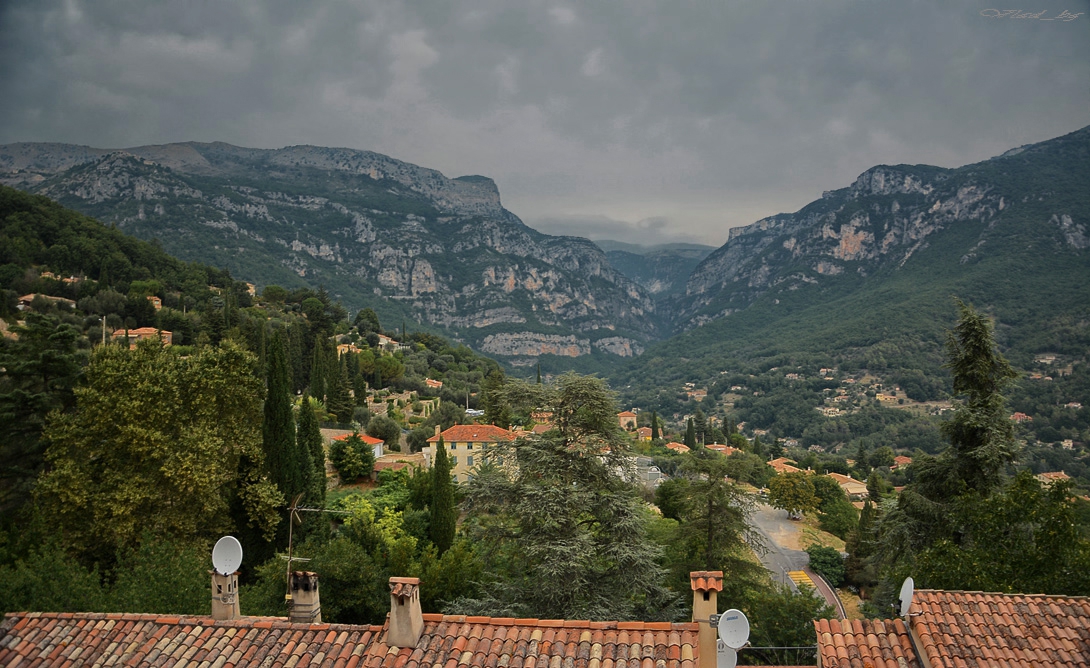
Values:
[(373, 230)]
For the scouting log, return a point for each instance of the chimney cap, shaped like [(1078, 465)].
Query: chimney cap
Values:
[(706, 580), (403, 587)]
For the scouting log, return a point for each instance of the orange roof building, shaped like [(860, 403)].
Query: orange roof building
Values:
[(725, 450), (948, 629), (643, 434), (627, 420), (677, 447), (465, 443), (143, 333), (781, 465)]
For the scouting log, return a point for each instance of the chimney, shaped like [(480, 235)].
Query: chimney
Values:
[(437, 430), (706, 585), (305, 607), (406, 618), (225, 596)]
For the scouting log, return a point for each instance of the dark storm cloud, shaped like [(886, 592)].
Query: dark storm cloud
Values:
[(698, 115)]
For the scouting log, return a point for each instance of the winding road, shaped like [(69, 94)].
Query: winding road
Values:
[(781, 557)]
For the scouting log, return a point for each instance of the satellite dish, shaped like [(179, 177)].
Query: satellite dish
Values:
[(725, 657), (907, 589), (734, 629), (227, 555)]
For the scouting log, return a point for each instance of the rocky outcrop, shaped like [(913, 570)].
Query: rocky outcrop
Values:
[(363, 225), (880, 222)]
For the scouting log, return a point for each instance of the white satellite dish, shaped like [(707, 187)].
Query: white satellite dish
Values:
[(725, 657), (907, 589), (734, 628), (227, 555)]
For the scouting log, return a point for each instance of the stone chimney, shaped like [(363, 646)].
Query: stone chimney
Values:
[(706, 585), (225, 596), (437, 428), (305, 606), (406, 618)]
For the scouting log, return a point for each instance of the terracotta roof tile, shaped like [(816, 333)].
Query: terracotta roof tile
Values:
[(129, 639), (850, 644), (976, 628), (474, 433)]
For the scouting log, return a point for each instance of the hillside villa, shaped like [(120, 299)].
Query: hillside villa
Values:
[(465, 443)]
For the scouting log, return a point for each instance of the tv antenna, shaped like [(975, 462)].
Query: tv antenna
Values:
[(293, 518), (907, 590)]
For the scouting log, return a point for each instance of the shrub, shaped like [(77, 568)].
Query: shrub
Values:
[(827, 562)]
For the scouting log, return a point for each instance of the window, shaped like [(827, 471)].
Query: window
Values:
[(453, 462), (469, 460), (469, 446)]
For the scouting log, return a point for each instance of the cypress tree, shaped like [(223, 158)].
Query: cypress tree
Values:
[(318, 373), (654, 426), (690, 434), (444, 514), (309, 440), (278, 426), (339, 401), (539, 373)]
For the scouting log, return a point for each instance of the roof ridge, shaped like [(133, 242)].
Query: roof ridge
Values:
[(186, 620), (567, 623), (999, 593)]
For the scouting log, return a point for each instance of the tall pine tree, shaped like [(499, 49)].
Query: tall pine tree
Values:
[(278, 426), (690, 434), (444, 513)]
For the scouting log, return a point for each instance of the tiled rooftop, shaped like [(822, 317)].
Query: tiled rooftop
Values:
[(857, 643), (958, 628), (532, 643), (474, 433), (93, 639)]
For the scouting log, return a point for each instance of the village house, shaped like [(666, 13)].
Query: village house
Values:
[(143, 333), (677, 447), (344, 348), (341, 434), (781, 465), (643, 434), (725, 450), (900, 462), (433, 384), (26, 300), (156, 303), (1050, 478), (1020, 417), (627, 420), (465, 443), (855, 489)]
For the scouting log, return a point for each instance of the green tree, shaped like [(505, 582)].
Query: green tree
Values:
[(655, 434), (859, 566), (389, 431), (351, 457), (827, 562), (495, 410), (690, 433), (309, 440), (793, 492), (289, 468), (714, 528), (339, 402), (161, 443), (552, 508), (38, 371), (444, 510)]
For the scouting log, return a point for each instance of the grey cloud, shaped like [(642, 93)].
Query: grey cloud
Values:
[(703, 114)]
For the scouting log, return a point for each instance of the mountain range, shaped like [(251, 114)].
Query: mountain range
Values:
[(864, 270), (374, 231)]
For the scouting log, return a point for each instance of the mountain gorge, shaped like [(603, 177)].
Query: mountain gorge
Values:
[(375, 231), (867, 274)]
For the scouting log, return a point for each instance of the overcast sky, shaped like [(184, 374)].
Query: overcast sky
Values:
[(639, 120)]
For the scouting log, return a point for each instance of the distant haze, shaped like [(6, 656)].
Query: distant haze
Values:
[(644, 121)]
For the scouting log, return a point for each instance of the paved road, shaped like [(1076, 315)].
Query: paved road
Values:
[(774, 526), (778, 531)]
